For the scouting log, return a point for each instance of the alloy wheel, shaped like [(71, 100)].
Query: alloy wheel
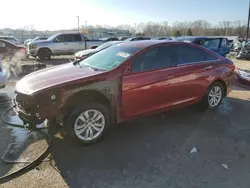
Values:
[(215, 96), (89, 125)]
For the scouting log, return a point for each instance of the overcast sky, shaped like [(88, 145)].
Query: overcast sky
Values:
[(61, 14)]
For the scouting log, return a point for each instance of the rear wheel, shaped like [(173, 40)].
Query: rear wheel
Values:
[(87, 124), (44, 54), (214, 96)]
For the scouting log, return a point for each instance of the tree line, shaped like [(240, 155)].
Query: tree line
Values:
[(188, 28)]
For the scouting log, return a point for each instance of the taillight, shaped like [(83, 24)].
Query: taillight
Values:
[(23, 50), (229, 63), (232, 66)]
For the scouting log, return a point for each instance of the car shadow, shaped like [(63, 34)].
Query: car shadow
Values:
[(18, 146), (141, 152)]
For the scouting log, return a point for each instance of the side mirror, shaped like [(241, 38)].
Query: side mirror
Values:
[(127, 70)]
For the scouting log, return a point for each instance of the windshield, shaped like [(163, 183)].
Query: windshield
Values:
[(109, 58)]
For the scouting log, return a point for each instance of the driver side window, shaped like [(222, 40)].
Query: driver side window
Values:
[(60, 38)]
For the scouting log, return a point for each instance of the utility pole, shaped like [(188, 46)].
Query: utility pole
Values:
[(78, 23), (86, 24), (248, 20)]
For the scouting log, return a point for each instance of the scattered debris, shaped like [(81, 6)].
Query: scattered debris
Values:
[(193, 150), (225, 166)]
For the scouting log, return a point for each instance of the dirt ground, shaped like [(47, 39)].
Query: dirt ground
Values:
[(151, 152), (242, 64)]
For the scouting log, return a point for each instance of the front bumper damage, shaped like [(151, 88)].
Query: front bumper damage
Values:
[(30, 111)]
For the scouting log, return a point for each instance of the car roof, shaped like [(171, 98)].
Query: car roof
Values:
[(146, 43)]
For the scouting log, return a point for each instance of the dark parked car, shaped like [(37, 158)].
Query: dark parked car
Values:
[(9, 50), (122, 82), (219, 45), (137, 38)]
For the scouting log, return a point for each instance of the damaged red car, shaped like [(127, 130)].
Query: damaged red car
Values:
[(122, 82)]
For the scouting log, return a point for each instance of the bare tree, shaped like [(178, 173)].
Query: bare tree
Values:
[(22, 31), (224, 27), (240, 28), (31, 29)]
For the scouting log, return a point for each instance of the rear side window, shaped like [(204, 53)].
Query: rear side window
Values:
[(189, 54), (212, 43), (155, 58)]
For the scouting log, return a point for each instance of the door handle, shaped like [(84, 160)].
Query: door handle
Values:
[(209, 67)]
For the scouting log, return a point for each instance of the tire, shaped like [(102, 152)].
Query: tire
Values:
[(44, 54), (207, 99), (79, 116)]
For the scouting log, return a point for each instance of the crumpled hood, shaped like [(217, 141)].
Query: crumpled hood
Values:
[(51, 77), (85, 52)]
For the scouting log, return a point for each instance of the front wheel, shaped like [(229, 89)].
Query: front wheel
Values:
[(87, 124), (44, 54), (213, 96)]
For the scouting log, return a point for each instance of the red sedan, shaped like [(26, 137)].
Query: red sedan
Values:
[(121, 82)]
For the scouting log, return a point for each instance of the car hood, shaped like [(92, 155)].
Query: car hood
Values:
[(51, 77), (85, 52), (38, 42)]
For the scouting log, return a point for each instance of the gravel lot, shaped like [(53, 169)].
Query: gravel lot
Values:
[(150, 152)]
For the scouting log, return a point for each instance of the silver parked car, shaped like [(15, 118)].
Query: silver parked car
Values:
[(60, 44)]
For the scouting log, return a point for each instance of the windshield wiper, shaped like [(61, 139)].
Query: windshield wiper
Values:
[(89, 67)]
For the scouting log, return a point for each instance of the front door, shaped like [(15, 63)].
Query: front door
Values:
[(152, 84)]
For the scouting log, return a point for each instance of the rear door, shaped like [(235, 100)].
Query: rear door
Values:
[(196, 66), (76, 43), (152, 84)]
